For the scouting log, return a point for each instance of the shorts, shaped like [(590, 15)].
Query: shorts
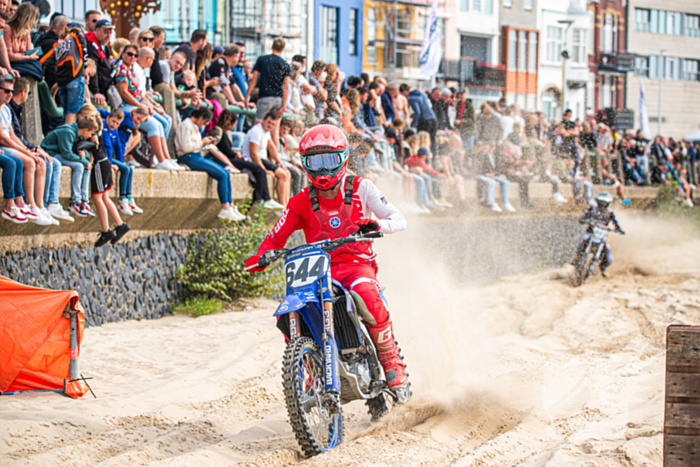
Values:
[(72, 95), (267, 105), (101, 177), (271, 166)]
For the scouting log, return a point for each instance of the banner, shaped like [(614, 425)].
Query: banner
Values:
[(431, 51), (644, 111)]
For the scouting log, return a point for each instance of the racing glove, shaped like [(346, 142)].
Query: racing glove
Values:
[(367, 225), (620, 231), (251, 265)]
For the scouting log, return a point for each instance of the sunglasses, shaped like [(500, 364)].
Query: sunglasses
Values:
[(93, 20), (130, 54), (8, 91), (147, 39)]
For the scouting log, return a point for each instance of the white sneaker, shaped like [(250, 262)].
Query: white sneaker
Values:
[(425, 210), (163, 165), (174, 165), (124, 207), (57, 212), (689, 203), (229, 215), (238, 213), (434, 204), (414, 208), (495, 207), (135, 209), (46, 213), (41, 219), (509, 207), (272, 205), (559, 198)]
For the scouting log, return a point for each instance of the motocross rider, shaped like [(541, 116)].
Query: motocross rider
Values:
[(337, 205), (600, 213)]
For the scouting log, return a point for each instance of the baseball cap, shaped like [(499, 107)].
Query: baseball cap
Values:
[(104, 22), (423, 152), (75, 24), (446, 92), (218, 50)]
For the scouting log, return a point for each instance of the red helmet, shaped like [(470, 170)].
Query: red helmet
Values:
[(324, 155)]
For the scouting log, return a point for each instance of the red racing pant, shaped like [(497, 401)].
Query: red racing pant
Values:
[(362, 279)]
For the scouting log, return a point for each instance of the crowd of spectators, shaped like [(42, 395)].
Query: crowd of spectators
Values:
[(428, 142)]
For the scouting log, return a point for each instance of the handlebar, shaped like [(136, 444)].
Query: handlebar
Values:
[(595, 224), (271, 256)]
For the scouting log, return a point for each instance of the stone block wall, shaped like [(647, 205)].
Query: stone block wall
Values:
[(133, 279)]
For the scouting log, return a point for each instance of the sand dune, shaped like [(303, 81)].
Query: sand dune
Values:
[(523, 371)]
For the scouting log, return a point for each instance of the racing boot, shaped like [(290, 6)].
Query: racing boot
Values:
[(389, 358)]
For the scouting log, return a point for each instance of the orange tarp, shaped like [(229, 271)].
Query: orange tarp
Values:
[(35, 338)]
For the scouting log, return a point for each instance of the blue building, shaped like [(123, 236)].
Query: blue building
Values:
[(338, 34)]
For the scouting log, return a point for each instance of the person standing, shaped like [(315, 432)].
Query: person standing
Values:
[(92, 17), (424, 118), (197, 42), (466, 120), (158, 39)]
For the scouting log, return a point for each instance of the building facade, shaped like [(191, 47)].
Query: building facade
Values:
[(665, 40), (563, 75), (472, 49), (393, 36), (610, 61), (520, 40), (338, 32)]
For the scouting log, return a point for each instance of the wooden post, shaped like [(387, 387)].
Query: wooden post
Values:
[(32, 114), (682, 418)]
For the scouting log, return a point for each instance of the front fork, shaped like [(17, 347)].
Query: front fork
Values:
[(331, 370)]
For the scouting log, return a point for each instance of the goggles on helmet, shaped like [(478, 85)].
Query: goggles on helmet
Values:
[(324, 161)]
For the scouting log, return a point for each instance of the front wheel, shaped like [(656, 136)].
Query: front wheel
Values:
[(581, 273), (317, 422)]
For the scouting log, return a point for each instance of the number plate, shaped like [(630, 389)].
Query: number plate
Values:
[(306, 270), (599, 234)]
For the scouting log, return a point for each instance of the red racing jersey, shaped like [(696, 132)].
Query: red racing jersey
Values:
[(336, 218)]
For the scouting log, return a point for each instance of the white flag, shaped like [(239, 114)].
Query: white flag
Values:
[(431, 51), (643, 110)]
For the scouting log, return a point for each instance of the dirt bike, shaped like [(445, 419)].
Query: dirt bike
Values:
[(330, 357), (591, 253)]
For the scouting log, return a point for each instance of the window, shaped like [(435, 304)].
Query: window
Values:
[(662, 22), (642, 20), (678, 24), (512, 48), (532, 58), (522, 51), (641, 67), (690, 70), (654, 22), (607, 42), (371, 24), (673, 68), (527, 4), (476, 5), (488, 7), (353, 31), (329, 34), (464, 5), (580, 53), (554, 43), (692, 25), (507, 2), (653, 66)]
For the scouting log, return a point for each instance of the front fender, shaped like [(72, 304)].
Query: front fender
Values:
[(296, 301)]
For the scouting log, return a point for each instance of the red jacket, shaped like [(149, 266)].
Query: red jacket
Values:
[(416, 161)]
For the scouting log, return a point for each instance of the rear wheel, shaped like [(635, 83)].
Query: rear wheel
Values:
[(317, 422)]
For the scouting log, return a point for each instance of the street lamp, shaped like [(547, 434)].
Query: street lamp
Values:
[(564, 57), (661, 72)]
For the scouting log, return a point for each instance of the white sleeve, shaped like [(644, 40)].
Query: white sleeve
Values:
[(389, 217)]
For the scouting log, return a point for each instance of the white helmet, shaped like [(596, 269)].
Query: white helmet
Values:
[(604, 199)]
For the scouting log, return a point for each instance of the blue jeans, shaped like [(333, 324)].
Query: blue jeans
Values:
[(239, 123), (80, 180), (53, 181), (126, 174), (72, 95), (491, 188), (467, 142), (166, 121), (585, 188), (421, 191), (196, 162), (12, 171)]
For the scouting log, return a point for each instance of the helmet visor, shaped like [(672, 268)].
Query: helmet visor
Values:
[(327, 161)]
